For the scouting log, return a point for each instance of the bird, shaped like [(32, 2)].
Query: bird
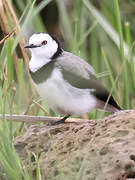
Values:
[(66, 82)]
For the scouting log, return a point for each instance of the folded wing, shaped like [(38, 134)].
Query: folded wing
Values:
[(81, 75)]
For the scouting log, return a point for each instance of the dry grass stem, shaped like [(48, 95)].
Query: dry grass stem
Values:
[(37, 119), (7, 36), (3, 19), (15, 23), (41, 107)]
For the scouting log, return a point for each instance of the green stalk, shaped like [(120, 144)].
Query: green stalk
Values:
[(77, 5), (119, 26), (132, 65), (10, 65), (112, 80), (38, 172), (26, 21), (127, 67), (75, 48), (126, 81), (20, 82), (85, 35), (128, 34), (94, 52), (66, 22)]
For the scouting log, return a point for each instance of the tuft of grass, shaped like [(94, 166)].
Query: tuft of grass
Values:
[(10, 160)]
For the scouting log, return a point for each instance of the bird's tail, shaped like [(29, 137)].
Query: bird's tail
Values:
[(108, 107)]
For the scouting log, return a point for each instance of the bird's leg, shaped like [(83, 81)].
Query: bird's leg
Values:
[(63, 119), (60, 121)]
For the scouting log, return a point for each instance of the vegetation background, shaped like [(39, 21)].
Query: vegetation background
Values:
[(100, 31)]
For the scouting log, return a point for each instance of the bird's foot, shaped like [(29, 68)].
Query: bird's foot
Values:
[(59, 121)]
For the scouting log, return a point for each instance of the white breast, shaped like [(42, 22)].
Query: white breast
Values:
[(63, 98)]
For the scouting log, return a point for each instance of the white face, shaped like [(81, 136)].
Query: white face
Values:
[(42, 45)]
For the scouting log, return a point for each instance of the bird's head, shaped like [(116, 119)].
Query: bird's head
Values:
[(44, 45)]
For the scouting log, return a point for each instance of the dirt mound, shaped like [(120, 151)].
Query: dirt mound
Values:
[(102, 149)]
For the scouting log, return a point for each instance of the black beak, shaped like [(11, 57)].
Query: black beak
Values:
[(31, 46)]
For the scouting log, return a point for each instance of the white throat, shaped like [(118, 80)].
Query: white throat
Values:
[(37, 62), (42, 53)]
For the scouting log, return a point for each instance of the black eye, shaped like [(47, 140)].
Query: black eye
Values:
[(44, 42)]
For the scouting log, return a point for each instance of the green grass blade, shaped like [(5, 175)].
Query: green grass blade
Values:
[(126, 80), (119, 26), (9, 159), (112, 80), (20, 82), (86, 34), (106, 26), (65, 21), (10, 64), (40, 7), (27, 20), (128, 34)]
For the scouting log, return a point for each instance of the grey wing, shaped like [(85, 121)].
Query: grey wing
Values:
[(81, 75)]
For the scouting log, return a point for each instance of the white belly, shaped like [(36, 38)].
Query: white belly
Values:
[(63, 98)]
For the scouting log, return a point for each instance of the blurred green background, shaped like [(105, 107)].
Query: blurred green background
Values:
[(100, 31)]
